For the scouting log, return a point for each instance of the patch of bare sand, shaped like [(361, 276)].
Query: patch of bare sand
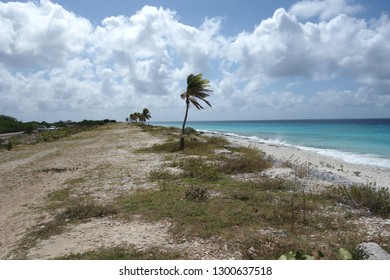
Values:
[(100, 233), (108, 233)]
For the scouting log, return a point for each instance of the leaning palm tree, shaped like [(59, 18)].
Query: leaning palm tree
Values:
[(146, 114), (197, 89)]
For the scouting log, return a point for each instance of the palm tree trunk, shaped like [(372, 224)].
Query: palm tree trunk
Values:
[(184, 125)]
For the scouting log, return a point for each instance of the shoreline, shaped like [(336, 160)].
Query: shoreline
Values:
[(363, 142), (336, 170)]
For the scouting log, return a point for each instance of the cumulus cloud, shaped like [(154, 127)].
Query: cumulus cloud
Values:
[(282, 46), (343, 47), (53, 60), (40, 35), (151, 50), (275, 48), (324, 9), (66, 64)]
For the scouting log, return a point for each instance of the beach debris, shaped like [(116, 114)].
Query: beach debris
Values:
[(197, 193), (223, 152), (281, 233), (372, 251), (9, 145), (59, 169), (329, 177), (251, 253)]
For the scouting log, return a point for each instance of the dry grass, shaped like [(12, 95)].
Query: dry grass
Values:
[(377, 201), (124, 253), (247, 160)]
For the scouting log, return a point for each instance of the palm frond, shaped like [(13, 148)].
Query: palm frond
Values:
[(205, 101), (197, 88), (195, 102)]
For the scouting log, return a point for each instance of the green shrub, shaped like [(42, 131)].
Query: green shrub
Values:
[(124, 253), (190, 130), (377, 200), (9, 124), (161, 174), (247, 161), (196, 168), (276, 184), (241, 195), (86, 211), (9, 145), (197, 193)]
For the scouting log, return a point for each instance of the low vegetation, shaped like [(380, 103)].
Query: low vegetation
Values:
[(247, 161), (123, 253), (9, 124), (377, 201), (32, 136)]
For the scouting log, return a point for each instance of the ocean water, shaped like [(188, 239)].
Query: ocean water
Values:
[(363, 141)]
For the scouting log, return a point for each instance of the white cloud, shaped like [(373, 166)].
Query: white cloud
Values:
[(52, 60), (282, 46), (324, 9), (363, 96), (40, 35), (342, 47), (151, 50), (123, 62)]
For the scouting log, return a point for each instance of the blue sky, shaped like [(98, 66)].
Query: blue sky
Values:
[(239, 15), (96, 59)]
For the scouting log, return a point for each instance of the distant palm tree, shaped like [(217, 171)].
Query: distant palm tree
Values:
[(136, 117), (146, 114), (133, 118), (141, 118), (197, 89)]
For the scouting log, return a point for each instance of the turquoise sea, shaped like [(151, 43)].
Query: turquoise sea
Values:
[(364, 141)]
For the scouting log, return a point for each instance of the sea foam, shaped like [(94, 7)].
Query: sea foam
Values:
[(364, 159)]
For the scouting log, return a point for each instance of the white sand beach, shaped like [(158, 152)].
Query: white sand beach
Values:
[(328, 170)]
